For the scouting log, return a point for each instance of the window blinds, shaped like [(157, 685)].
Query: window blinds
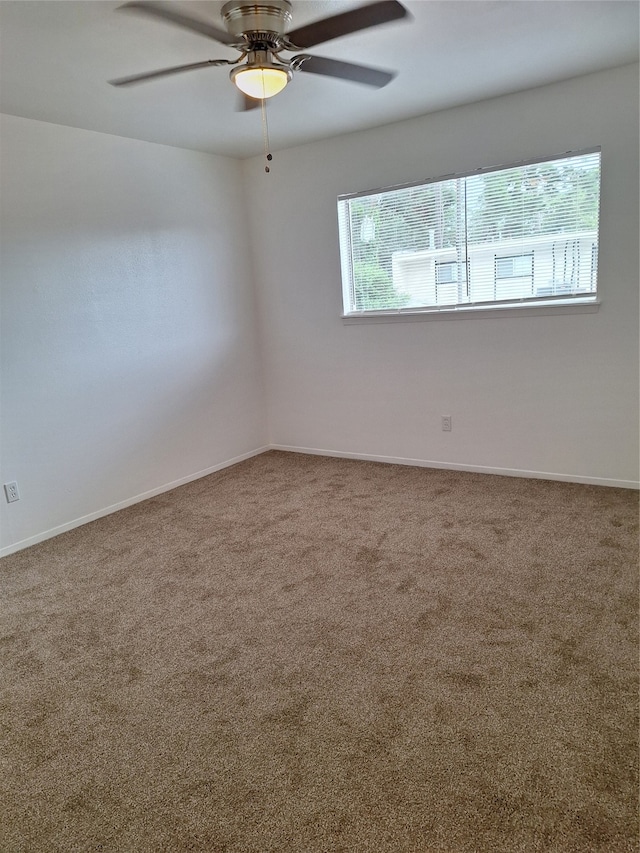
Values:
[(528, 232)]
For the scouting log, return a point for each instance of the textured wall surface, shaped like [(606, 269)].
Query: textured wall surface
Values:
[(129, 341), (547, 394)]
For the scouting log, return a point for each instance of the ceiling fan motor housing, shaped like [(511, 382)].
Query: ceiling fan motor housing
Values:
[(271, 17)]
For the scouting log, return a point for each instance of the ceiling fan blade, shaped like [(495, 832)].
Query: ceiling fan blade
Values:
[(347, 22), (163, 72), (347, 71), (167, 14)]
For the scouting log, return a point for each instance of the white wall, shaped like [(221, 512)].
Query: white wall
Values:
[(129, 340), (554, 395)]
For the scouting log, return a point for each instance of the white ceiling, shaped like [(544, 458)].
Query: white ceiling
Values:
[(56, 57)]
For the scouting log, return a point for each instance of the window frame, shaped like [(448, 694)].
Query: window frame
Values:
[(588, 302)]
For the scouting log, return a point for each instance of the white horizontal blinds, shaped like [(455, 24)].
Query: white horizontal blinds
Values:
[(520, 233), (346, 256), (387, 227), (532, 230)]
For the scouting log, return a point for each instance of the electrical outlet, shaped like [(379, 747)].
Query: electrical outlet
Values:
[(11, 491), (446, 423)]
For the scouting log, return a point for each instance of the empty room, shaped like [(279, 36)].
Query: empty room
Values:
[(319, 426)]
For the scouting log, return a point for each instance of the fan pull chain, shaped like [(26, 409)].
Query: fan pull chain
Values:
[(265, 134)]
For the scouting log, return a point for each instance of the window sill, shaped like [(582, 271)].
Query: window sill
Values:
[(467, 313)]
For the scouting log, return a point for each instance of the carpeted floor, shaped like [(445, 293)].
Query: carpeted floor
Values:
[(310, 654)]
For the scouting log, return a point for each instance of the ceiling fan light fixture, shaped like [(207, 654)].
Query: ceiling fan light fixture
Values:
[(261, 81)]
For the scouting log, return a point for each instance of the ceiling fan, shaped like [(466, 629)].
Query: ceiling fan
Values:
[(259, 31)]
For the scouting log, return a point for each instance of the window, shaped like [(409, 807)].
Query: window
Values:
[(513, 277), (526, 234), (515, 266)]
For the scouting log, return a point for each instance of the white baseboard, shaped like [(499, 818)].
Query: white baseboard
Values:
[(314, 451), (93, 516), (455, 466)]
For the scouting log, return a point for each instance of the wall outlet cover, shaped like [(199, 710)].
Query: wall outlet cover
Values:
[(11, 492)]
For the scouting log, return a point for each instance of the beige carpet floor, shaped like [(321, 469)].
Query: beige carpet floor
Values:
[(310, 654)]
